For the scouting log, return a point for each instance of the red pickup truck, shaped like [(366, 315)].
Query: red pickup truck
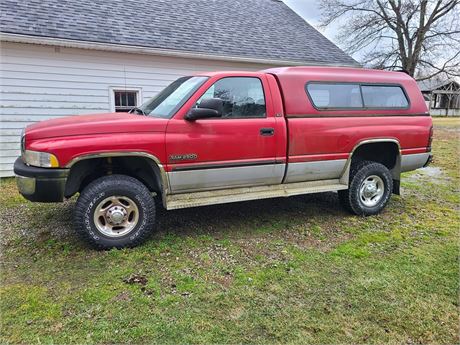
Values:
[(224, 137)]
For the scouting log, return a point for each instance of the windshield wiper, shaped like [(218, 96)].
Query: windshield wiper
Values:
[(138, 110)]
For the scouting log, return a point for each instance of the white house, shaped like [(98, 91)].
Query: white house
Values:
[(62, 58)]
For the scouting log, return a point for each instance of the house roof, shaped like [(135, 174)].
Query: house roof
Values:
[(258, 29), (434, 84)]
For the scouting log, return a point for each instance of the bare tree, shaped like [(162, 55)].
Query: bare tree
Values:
[(421, 37)]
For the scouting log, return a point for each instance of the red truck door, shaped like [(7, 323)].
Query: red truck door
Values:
[(239, 149)]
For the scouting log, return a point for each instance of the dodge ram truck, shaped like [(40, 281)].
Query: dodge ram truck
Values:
[(223, 137)]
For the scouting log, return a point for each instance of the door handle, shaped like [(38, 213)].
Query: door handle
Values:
[(267, 131)]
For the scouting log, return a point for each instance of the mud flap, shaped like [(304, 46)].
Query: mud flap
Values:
[(396, 187)]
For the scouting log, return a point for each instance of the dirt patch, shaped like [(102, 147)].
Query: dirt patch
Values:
[(136, 279), (434, 174), (122, 296)]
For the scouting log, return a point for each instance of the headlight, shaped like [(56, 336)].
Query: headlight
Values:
[(40, 159)]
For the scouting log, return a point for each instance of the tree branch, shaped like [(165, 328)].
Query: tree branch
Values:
[(397, 32)]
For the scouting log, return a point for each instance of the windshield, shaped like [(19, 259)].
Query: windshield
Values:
[(166, 103)]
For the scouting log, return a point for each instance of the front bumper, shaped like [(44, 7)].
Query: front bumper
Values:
[(40, 184)]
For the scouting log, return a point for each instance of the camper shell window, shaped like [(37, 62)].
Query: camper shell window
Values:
[(357, 96)]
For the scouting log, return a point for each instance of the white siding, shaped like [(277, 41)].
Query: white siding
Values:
[(42, 82)]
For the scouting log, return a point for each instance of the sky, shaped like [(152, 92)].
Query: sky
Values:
[(308, 10)]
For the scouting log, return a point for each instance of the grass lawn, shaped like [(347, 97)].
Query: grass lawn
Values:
[(296, 270)]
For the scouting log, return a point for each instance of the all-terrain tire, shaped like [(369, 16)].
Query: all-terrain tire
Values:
[(352, 199), (114, 186)]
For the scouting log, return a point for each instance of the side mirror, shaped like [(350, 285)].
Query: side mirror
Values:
[(208, 108)]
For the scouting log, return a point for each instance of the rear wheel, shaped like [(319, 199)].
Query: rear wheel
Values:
[(115, 211), (369, 189)]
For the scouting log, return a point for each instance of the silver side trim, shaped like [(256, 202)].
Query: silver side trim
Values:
[(206, 179), (318, 170), (250, 193), (415, 161)]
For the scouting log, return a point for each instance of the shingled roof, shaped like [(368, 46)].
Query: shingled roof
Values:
[(259, 29), (435, 83)]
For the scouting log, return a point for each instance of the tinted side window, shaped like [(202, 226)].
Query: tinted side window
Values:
[(335, 95), (242, 96), (382, 96)]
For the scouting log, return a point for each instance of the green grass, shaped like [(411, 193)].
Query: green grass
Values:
[(297, 270)]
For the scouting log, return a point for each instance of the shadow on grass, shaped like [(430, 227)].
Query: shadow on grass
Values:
[(223, 220), (47, 224)]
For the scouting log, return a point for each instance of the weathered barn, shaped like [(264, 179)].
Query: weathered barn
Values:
[(442, 96)]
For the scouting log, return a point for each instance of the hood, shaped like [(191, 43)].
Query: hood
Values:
[(95, 124)]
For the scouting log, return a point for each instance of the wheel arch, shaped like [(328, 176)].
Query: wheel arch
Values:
[(367, 149), (141, 165)]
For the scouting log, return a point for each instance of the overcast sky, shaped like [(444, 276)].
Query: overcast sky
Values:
[(309, 10)]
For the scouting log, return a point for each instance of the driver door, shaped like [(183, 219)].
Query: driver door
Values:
[(235, 150)]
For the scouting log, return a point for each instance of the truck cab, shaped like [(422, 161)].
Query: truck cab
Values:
[(231, 136)]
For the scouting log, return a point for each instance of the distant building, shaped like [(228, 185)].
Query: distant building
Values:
[(442, 96)]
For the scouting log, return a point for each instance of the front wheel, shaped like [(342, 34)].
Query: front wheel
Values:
[(369, 189), (115, 211)]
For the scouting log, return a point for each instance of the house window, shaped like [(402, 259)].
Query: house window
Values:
[(123, 100)]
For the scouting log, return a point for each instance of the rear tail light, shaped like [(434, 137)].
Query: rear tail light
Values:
[(430, 140)]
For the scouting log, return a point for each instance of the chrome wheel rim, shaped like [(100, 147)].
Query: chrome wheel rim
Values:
[(116, 216), (371, 191)]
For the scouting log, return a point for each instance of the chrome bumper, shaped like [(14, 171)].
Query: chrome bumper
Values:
[(414, 161)]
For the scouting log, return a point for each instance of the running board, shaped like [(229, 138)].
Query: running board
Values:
[(223, 196)]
